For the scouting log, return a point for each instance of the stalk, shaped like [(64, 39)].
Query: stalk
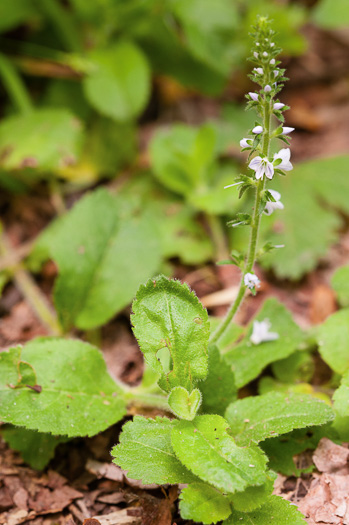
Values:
[(15, 86)]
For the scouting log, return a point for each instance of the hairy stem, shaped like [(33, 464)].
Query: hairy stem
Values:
[(140, 399), (251, 256)]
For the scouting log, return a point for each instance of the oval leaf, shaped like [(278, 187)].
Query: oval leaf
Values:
[(202, 503)]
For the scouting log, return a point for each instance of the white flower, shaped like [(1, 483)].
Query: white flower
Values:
[(278, 105), (262, 167), (284, 154), (272, 62), (257, 44), (261, 334), (272, 44), (265, 54), (254, 96), (257, 130), (276, 72), (267, 88), (258, 70), (246, 143), (251, 281), (255, 54), (286, 130), (272, 206)]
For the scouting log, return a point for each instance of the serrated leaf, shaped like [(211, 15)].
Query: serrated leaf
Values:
[(218, 389), (276, 510), (333, 341), (248, 360), (45, 139), (183, 404), (168, 317), (205, 447), (269, 415), (103, 254), (253, 497), (340, 284), (76, 389), (36, 448), (118, 85), (202, 503), (145, 451)]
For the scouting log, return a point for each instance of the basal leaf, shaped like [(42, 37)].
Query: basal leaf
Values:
[(45, 139), (333, 341), (118, 85), (204, 504), (205, 447), (172, 330), (36, 448), (248, 360), (77, 397), (145, 451), (276, 510), (218, 389), (269, 415), (253, 497), (103, 253), (340, 284)]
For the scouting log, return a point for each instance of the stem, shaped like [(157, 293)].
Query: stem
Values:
[(32, 293), (254, 234), (14, 85), (218, 236), (147, 400)]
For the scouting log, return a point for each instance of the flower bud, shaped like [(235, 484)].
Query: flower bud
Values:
[(246, 143), (272, 62), (267, 88), (258, 129), (258, 70), (254, 96), (286, 130), (278, 105)]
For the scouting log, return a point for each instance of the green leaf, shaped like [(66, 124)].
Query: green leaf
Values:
[(118, 85), (218, 389), (45, 139), (76, 389), (183, 404), (205, 447), (341, 408), (311, 185), (276, 510), (333, 341), (103, 253), (298, 367), (202, 503), (145, 451), (15, 13), (340, 284), (36, 448), (269, 415), (253, 497), (248, 360), (168, 317), (331, 15)]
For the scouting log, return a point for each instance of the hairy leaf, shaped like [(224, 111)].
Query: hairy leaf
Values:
[(103, 254), (269, 415), (276, 510), (333, 341), (248, 360), (340, 284), (45, 139), (205, 447), (183, 404), (168, 317), (145, 451), (253, 497), (75, 389), (218, 389), (118, 85), (202, 503), (36, 448)]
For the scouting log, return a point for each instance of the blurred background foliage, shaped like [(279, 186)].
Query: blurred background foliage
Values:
[(83, 81)]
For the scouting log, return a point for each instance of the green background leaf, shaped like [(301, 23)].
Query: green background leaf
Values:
[(276, 510), (333, 341), (202, 503), (340, 284)]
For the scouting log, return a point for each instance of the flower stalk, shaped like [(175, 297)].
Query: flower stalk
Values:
[(264, 168)]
